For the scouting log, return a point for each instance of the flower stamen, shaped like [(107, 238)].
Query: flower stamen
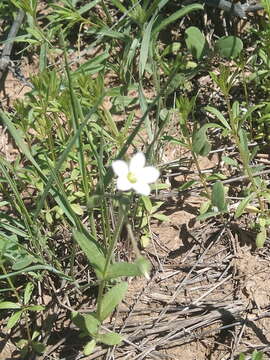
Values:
[(131, 178)]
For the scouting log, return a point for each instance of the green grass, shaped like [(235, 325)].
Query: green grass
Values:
[(67, 139)]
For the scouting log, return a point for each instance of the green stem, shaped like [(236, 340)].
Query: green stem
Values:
[(19, 301), (108, 259)]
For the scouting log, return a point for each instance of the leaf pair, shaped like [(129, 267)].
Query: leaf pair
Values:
[(96, 257)]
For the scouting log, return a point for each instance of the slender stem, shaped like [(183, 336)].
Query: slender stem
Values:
[(108, 258), (11, 284), (246, 166), (19, 301)]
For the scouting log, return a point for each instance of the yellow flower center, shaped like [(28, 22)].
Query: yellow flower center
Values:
[(131, 178)]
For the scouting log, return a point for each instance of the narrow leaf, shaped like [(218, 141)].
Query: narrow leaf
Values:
[(219, 115), (175, 16), (243, 204), (9, 305), (92, 250), (36, 308), (145, 46), (28, 292), (12, 321)]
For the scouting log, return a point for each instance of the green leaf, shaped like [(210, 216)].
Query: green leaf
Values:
[(77, 209), (260, 238), (204, 206), (219, 115), (218, 196), (9, 305), (229, 46), (243, 204), (243, 145), (111, 299), (35, 308), (122, 269), (92, 324), (187, 185), (18, 137), (207, 215), (34, 268), (23, 263), (92, 66), (145, 46), (120, 6), (38, 347), (88, 6), (86, 323), (161, 217), (200, 143), (147, 203), (175, 16), (257, 355), (28, 292), (195, 42), (241, 356), (111, 338), (229, 161), (12, 321), (92, 250), (144, 265), (89, 347), (138, 268)]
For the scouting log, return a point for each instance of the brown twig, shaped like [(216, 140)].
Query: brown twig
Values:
[(7, 49)]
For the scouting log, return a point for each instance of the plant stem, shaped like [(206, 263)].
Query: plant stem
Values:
[(108, 258)]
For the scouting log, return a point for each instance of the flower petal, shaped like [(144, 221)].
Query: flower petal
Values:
[(137, 162), (123, 184), (150, 174), (141, 188), (120, 167)]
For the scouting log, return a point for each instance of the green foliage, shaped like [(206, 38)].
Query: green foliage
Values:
[(229, 46), (113, 77), (256, 355), (196, 42)]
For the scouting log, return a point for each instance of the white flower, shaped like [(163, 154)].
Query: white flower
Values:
[(135, 175)]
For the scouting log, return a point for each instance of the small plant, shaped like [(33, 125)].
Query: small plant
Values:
[(137, 176), (106, 79), (256, 355)]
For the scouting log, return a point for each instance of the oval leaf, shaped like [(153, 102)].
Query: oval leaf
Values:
[(111, 299), (229, 46), (89, 347), (195, 42), (110, 338), (260, 238), (218, 196), (122, 269)]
